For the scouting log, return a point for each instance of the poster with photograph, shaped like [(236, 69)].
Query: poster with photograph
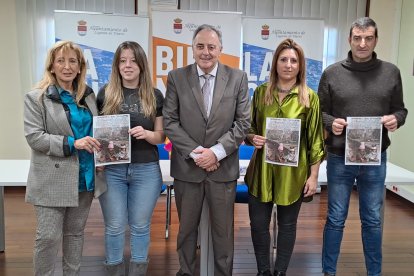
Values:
[(363, 141), (282, 141), (112, 132)]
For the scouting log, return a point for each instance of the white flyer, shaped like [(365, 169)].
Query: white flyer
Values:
[(112, 132), (363, 141), (282, 141)]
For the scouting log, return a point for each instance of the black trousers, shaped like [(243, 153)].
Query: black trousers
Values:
[(260, 215)]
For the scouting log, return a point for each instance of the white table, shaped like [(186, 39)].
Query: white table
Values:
[(400, 181), (395, 176), (12, 173)]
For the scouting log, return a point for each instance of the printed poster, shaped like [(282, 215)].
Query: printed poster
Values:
[(99, 35), (282, 141), (261, 36), (112, 132), (172, 34), (363, 141)]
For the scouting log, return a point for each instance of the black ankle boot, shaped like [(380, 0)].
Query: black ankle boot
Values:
[(264, 273), (279, 273)]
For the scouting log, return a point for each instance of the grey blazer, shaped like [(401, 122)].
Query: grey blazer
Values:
[(187, 126), (54, 172)]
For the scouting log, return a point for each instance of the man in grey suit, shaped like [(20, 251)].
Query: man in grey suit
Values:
[(206, 117)]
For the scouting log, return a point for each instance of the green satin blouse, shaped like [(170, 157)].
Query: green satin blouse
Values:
[(283, 185)]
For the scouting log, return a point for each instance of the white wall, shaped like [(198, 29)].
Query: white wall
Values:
[(395, 20), (387, 15), (12, 142), (403, 148)]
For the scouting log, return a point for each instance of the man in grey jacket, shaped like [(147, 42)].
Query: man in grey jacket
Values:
[(206, 117), (359, 86)]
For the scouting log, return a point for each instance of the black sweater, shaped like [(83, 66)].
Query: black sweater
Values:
[(349, 88)]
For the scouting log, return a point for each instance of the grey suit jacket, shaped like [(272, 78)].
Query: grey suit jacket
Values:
[(187, 126), (54, 172)]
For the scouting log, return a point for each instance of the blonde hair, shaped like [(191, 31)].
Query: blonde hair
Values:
[(300, 78), (49, 78), (113, 92)]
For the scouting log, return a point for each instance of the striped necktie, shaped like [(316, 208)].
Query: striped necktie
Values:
[(206, 90)]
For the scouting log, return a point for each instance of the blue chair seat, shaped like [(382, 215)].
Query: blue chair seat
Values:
[(163, 155), (242, 194)]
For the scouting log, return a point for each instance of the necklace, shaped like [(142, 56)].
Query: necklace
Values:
[(284, 91)]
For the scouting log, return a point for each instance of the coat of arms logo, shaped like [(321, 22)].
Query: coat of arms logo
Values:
[(82, 27), (265, 32), (178, 26)]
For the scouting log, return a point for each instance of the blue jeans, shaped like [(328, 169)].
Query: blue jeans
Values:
[(133, 190), (370, 183)]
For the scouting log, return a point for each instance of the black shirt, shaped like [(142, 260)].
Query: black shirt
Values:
[(141, 150)]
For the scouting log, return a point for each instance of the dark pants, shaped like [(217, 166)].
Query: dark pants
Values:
[(260, 215), (189, 198)]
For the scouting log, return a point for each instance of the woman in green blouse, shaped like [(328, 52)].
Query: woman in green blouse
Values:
[(286, 185)]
